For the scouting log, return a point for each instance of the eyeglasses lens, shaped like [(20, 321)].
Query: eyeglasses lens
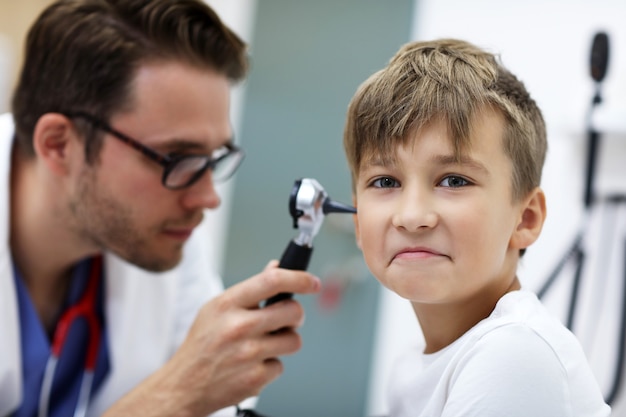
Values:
[(227, 164), (223, 163)]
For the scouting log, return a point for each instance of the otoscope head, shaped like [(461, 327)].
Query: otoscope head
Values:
[(293, 199), (308, 203)]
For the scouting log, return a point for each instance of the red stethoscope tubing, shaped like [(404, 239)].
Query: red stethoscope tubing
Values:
[(85, 308)]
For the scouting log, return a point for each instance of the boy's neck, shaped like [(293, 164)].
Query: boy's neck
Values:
[(442, 324)]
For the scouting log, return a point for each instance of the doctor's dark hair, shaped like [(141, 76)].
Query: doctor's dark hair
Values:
[(83, 55), (452, 81)]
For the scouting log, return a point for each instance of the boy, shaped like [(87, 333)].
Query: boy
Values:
[(446, 149)]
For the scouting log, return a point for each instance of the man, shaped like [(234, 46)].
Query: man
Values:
[(121, 126)]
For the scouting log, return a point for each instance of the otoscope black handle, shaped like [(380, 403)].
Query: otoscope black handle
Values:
[(295, 257)]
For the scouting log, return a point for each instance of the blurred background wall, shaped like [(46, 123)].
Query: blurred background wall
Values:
[(307, 60), (15, 17)]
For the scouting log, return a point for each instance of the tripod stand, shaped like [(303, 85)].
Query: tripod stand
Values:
[(576, 255)]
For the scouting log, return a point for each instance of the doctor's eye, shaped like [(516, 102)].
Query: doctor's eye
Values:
[(454, 181), (384, 182)]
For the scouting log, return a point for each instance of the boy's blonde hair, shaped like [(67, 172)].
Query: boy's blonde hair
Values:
[(449, 80)]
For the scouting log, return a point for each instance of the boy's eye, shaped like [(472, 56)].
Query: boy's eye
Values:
[(453, 181), (384, 182)]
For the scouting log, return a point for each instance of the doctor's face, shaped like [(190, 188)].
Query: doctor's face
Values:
[(438, 231), (119, 202)]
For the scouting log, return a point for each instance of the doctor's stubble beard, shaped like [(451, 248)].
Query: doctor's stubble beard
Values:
[(102, 221)]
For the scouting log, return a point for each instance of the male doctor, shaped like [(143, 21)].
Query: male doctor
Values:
[(120, 128)]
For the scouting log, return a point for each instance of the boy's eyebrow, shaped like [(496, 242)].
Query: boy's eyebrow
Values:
[(437, 159), (462, 160), (378, 161)]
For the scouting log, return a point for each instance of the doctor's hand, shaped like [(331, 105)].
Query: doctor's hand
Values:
[(231, 351)]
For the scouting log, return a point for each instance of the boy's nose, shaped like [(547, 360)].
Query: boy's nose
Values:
[(414, 212), (202, 194)]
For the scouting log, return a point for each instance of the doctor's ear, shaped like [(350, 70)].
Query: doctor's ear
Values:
[(55, 142)]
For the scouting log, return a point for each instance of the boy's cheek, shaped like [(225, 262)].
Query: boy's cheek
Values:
[(355, 220), (357, 231)]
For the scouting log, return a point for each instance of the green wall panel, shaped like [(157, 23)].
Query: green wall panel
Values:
[(308, 57)]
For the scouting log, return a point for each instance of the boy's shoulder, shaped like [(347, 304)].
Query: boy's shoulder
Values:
[(521, 321), (520, 359), (523, 341)]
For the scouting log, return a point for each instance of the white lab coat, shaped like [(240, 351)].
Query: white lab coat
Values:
[(148, 314)]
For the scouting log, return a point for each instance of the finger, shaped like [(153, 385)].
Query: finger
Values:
[(255, 323), (272, 281), (268, 346), (273, 368), (253, 378), (287, 314), (284, 342), (240, 324), (271, 264)]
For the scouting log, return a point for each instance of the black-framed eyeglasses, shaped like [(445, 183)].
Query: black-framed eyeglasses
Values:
[(179, 171)]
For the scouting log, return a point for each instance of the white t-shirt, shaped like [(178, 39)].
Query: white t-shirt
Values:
[(519, 361)]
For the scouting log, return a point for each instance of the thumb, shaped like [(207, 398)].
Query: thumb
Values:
[(271, 264)]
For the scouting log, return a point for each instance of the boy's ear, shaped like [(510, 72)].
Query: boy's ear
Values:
[(533, 214), (355, 219), (53, 142)]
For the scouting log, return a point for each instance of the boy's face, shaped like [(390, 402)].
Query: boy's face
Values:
[(436, 231)]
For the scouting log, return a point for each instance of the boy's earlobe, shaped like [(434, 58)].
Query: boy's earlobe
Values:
[(533, 215), (51, 141)]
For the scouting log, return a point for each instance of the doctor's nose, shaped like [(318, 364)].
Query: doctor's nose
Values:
[(415, 212), (202, 194)]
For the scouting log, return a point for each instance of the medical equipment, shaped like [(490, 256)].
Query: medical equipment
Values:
[(576, 254), (308, 203), (598, 66), (85, 308)]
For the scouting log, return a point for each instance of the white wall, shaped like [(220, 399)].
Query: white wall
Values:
[(239, 15), (6, 65), (546, 43)]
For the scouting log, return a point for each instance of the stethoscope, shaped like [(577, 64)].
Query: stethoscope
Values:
[(85, 308)]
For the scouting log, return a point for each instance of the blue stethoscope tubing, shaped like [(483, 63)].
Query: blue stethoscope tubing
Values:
[(85, 308)]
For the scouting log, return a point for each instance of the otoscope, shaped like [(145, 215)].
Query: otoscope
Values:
[(308, 204)]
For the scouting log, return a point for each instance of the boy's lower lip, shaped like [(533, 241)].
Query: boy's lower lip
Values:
[(416, 254)]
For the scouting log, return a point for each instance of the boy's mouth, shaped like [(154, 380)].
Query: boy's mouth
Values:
[(417, 252)]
